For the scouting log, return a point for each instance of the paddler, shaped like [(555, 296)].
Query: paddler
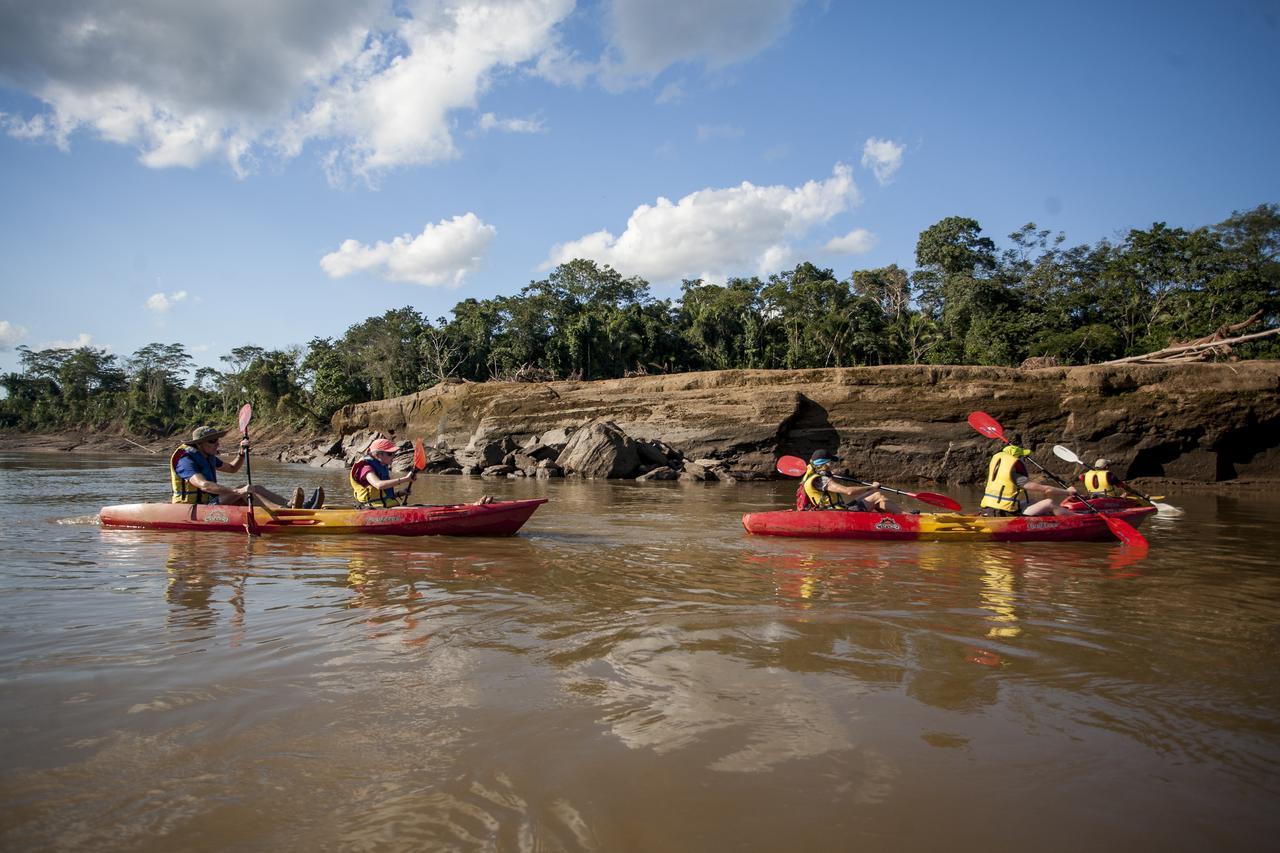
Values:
[(1099, 483), (372, 481), (824, 490), (193, 474), (1009, 485)]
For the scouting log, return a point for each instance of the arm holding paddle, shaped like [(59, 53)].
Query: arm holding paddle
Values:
[(794, 466)]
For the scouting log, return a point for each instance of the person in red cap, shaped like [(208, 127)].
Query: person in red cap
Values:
[(372, 480)]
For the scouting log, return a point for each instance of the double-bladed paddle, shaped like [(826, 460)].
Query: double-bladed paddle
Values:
[(1125, 532), (794, 466), (1068, 455)]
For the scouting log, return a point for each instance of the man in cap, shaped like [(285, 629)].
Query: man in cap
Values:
[(825, 491), (1100, 483), (194, 467)]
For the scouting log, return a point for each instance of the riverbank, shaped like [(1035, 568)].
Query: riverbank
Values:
[(1161, 426)]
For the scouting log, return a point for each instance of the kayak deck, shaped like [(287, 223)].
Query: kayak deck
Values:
[(938, 527), (500, 518)]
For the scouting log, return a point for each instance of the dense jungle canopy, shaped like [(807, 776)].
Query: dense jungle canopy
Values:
[(967, 301)]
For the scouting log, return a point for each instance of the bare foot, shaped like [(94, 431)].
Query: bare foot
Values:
[(484, 500)]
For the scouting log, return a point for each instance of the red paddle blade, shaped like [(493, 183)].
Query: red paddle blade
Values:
[(937, 500), (419, 455), (246, 413), (792, 466), (987, 425), (1125, 532)]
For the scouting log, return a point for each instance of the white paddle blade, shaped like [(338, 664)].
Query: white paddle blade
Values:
[(1065, 454), (1168, 510)]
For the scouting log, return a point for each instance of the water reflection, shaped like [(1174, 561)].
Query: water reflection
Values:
[(631, 672)]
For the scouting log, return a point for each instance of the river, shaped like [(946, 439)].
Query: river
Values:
[(633, 672)]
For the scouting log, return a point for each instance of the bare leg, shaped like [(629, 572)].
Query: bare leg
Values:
[(880, 502), (1048, 506), (270, 497)]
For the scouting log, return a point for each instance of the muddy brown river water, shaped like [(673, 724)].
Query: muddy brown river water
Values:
[(632, 672)]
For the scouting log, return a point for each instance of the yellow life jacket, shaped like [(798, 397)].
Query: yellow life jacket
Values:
[(1001, 492), (368, 495), (818, 497), (1098, 482), (184, 492)]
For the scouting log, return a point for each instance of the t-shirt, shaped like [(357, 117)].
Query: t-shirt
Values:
[(188, 466)]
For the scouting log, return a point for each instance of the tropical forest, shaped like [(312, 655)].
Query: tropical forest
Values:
[(968, 300)]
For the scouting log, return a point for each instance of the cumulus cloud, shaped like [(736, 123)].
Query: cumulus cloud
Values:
[(10, 335), (84, 339), (647, 36), (370, 85), (163, 303), (489, 121), (374, 79), (856, 242), (444, 253), (883, 158), (715, 233)]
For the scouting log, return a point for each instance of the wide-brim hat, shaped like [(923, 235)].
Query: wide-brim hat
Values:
[(207, 433), (384, 445), (823, 455), (1102, 463)]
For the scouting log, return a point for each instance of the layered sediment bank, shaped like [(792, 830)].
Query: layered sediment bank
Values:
[(1198, 422)]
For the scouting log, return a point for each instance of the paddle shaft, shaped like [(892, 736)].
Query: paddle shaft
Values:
[(794, 466), (246, 414)]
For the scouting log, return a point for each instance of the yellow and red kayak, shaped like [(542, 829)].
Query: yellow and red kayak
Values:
[(938, 527), (500, 518)]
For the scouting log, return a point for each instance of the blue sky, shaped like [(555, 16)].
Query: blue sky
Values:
[(269, 171)]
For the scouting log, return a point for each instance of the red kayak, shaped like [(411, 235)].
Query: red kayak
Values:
[(500, 518), (939, 527)]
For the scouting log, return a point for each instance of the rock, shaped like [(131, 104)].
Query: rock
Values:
[(651, 453), (547, 469), (600, 450), (694, 471), (497, 471)]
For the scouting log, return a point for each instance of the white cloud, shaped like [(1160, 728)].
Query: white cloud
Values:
[(183, 82), (442, 254), (647, 36), (672, 93), (369, 85), (162, 303), (716, 233), (883, 158), (856, 242), (489, 121), (84, 339), (10, 335)]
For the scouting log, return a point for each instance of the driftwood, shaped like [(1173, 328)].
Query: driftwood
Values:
[(1201, 348)]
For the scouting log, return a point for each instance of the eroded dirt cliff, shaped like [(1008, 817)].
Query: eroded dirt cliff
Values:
[(1202, 422)]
